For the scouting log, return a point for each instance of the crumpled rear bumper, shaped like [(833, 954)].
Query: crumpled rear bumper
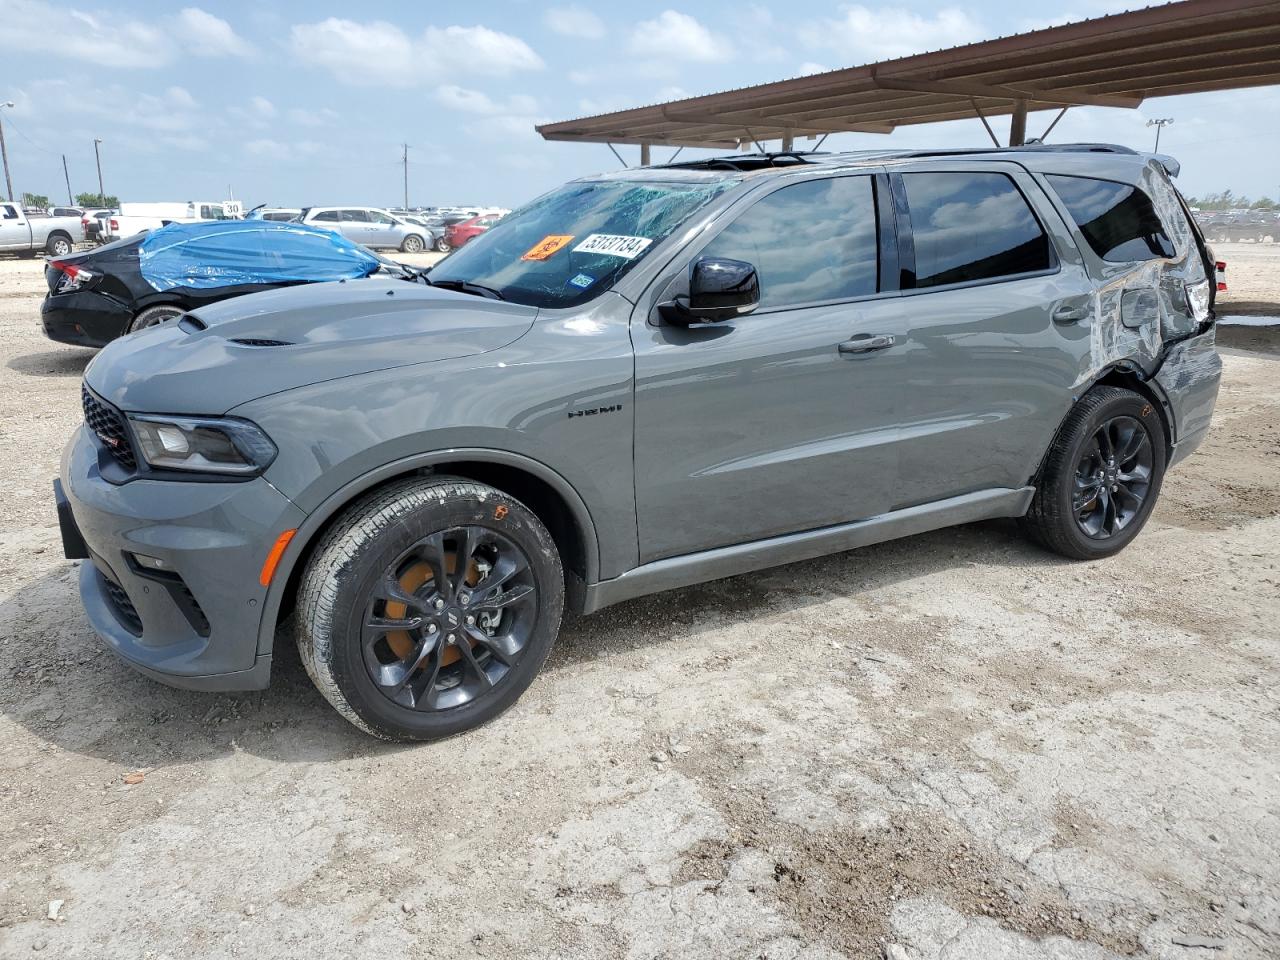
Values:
[(1189, 379)]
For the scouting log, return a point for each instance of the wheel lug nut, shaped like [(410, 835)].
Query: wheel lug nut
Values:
[(439, 604), (465, 598), (451, 638), (431, 628), (470, 619)]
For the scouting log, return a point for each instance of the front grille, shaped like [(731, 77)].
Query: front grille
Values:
[(124, 609), (107, 424)]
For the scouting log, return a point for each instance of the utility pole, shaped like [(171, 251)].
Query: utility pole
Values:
[(102, 194), (1159, 125), (67, 177), (406, 176), (8, 184)]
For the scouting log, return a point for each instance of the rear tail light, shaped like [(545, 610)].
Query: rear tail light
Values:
[(115, 224), (1220, 269), (74, 277)]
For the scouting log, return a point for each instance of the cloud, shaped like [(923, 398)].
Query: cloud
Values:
[(269, 149), (678, 36), (863, 35), (205, 35), (361, 54), (479, 50), (574, 22), (107, 39), (379, 53), (313, 118), (475, 102), (259, 113)]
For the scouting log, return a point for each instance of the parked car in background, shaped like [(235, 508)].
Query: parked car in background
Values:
[(281, 214), (96, 224), (25, 235), (460, 233), (66, 212), (125, 286), (134, 218), (371, 227), (433, 224)]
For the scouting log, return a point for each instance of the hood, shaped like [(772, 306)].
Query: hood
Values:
[(231, 352)]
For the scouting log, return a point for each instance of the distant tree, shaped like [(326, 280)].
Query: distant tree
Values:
[(37, 200), (97, 200), (1265, 203), (1226, 200)]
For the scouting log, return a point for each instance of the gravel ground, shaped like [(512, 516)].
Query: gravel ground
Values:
[(952, 746)]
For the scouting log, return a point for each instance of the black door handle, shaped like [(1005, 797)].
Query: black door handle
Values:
[(866, 343)]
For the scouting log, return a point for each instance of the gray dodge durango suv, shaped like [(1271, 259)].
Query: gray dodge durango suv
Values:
[(638, 381)]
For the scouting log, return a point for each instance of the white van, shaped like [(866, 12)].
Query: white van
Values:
[(136, 217)]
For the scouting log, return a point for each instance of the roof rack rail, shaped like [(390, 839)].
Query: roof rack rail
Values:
[(747, 161)]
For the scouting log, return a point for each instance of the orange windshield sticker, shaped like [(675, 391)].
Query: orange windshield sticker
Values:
[(547, 246)]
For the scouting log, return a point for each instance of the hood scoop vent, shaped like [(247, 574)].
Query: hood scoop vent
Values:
[(261, 342)]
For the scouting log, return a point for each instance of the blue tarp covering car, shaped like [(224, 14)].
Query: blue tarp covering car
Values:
[(102, 294), (229, 253)]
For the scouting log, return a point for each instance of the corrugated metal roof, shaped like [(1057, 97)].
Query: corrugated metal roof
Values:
[(1120, 60)]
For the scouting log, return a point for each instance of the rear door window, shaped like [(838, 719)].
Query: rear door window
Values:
[(970, 227), (326, 216), (1117, 219), (810, 242)]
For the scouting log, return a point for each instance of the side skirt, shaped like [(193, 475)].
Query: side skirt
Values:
[(741, 558)]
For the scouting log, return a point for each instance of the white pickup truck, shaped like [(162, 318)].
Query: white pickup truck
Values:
[(134, 218), (19, 234)]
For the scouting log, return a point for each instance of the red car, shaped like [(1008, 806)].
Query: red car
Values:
[(460, 233)]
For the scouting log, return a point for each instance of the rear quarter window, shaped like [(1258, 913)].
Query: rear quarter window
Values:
[(1118, 220), (972, 227)]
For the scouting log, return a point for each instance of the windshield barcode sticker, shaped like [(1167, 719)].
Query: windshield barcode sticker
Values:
[(613, 245)]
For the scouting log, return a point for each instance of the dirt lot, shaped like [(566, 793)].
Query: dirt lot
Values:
[(952, 746)]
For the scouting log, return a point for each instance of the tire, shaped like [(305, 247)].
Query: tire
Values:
[(1089, 505), (412, 244), (343, 611), (442, 245), (154, 315), (59, 246)]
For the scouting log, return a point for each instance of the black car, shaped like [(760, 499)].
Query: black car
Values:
[(97, 296)]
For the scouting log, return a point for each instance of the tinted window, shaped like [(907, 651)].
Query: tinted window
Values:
[(354, 216), (972, 226), (376, 217), (1117, 219), (810, 241), (326, 216), (9, 213)]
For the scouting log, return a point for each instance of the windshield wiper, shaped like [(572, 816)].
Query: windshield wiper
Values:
[(466, 286)]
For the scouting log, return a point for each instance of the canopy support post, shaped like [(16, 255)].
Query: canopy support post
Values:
[(1018, 124), (644, 154)]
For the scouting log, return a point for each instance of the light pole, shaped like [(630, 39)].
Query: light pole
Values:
[(8, 184), (102, 194), (1159, 124)]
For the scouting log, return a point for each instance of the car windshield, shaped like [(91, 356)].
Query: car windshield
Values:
[(571, 244)]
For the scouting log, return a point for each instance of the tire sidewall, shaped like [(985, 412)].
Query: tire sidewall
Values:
[(358, 580), (442, 245), (54, 244), (413, 244), (143, 320), (1143, 411)]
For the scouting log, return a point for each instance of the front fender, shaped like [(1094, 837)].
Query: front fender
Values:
[(317, 519)]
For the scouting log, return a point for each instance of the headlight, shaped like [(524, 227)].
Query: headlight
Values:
[(203, 444)]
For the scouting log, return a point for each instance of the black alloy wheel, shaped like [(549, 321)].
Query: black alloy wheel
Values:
[(1101, 475), (450, 618), (1113, 477)]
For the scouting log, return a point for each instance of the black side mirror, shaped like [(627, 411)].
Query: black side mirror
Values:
[(719, 289)]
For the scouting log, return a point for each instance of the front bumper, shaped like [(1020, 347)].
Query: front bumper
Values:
[(195, 625), (84, 318)]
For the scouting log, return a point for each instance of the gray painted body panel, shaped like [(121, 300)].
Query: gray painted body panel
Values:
[(217, 535), (683, 454), (336, 330)]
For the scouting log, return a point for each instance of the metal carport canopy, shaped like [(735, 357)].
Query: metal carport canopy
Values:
[(1120, 60)]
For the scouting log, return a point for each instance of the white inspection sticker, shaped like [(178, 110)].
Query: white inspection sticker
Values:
[(613, 245)]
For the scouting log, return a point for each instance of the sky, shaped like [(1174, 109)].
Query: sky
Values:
[(295, 103)]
